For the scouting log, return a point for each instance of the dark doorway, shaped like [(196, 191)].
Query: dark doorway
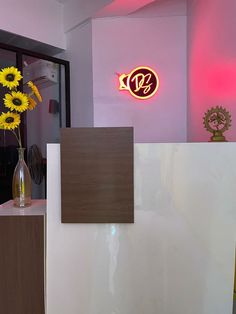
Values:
[(40, 126)]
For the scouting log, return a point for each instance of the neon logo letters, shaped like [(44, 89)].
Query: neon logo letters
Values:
[(142, 82)]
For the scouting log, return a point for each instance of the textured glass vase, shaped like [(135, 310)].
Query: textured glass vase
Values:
[(21, 183)]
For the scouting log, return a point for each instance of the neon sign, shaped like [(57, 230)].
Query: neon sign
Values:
[(142, 82)]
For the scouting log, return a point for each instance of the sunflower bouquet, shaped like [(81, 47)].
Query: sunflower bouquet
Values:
[(16, 101)]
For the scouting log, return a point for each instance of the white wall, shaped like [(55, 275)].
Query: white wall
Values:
[(78, 11), (178, 256), (41, 20), (79, 53), (98, 49), (212, 63), (121, 44)]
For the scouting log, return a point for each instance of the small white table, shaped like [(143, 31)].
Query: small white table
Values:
[(37, 208)]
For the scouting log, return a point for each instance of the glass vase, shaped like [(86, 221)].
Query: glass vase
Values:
[(21, 183)]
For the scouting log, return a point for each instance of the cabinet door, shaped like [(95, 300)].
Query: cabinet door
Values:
[(22, 264), (97, 175)]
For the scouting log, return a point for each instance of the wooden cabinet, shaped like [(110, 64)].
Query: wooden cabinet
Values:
[(22, 258), (97, 175)]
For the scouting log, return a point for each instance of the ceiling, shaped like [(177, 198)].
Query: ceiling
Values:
[(28, 44), (62, 1), (122, 7), (116, 7)]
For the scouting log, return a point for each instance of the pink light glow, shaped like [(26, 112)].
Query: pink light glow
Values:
[(222, 80), (122, 7)]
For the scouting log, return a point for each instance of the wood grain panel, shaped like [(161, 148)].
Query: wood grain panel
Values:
[(22, 264), (97, 175)]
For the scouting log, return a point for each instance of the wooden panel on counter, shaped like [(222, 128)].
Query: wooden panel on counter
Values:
[(97, 175), (22, 264)]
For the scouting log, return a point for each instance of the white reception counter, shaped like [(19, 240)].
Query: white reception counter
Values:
[(178, 256)]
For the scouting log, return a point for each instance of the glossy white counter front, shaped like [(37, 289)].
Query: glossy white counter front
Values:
[(178, 257)]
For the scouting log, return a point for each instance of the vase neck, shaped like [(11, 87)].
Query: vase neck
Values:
[(21, 151)]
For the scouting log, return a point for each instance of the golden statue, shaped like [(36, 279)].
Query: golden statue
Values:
[(217, 120)]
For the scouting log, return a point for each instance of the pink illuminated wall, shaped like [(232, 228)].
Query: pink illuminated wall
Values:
[(157, 36), (212, 63), (154, 36), (120, 45)]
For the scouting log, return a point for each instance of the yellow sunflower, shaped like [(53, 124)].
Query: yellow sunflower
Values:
[(9, 120), (16, 101), (32, 103), (10, 77), (35, 90)]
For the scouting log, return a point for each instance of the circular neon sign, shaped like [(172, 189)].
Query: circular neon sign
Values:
[(142, 82)]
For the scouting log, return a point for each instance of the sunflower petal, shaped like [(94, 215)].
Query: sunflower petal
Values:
[(9, 120), (17, 101), (35, 90), (10, 77), (32, 103)]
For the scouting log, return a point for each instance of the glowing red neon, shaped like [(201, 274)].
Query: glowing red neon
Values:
[(142, 82)]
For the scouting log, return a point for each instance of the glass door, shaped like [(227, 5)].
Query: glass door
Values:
[(8, 152), (39, 126), (44, 122)]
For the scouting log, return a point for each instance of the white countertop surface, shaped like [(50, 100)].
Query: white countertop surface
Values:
[(38, 208)]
